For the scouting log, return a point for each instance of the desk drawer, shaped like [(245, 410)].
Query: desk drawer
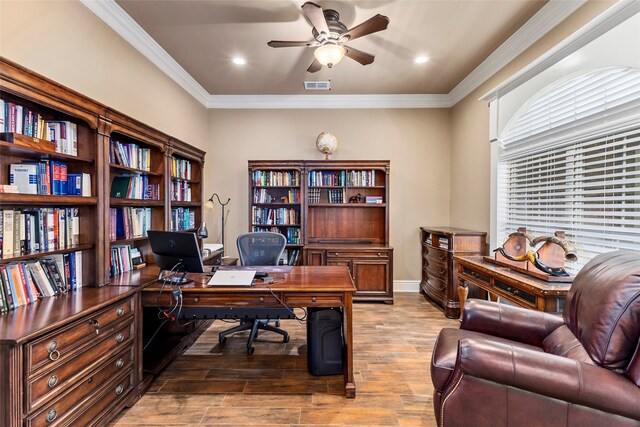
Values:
[(66, 374), (438, 271), (62, 410), (222, 300), (58, 346), (320, 300), (382, 253)]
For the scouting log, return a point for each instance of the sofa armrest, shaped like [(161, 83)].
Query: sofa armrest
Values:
[(548, 375), (509, 322)]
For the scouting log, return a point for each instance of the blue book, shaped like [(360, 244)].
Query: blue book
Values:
[(72, 271), (74, 184)]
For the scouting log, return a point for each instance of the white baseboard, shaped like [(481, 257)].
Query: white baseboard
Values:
[(406, 286)]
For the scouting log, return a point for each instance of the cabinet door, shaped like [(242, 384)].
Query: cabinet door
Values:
[(371, 276), (314, 257)]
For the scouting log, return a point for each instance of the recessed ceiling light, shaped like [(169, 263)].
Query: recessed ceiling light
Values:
[(421, 59), (239, 61)]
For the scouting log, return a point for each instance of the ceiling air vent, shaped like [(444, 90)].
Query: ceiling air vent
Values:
[(321, 85)]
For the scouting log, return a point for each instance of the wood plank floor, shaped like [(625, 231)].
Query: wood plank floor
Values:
[(220, 385)]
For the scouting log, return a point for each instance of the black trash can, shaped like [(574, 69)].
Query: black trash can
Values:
[(324, 341)]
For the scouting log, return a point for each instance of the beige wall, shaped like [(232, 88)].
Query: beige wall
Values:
[(415, 141), (66, 42), (470, 150)]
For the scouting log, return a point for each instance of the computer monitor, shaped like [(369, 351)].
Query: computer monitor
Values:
[(176, 251)]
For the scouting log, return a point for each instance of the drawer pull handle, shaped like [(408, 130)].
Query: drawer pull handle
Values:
[(442, 272), (120, 311), (338, 263), (120, 337), (96, 325), (196, 299), (54, 355), (379, 254), (442, 257), (261, 299), (52, 381), (52, 415), (119, 363), (337, 253), (314, 299), (119, 390), (52, 346)]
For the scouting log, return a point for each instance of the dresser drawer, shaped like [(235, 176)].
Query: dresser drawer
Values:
[(82, 398), (66, 374), (438, 271), (436, 285), (320, 300), (437, 256), (58, 346)]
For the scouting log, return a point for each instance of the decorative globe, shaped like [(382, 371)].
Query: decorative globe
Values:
[(326, 143)]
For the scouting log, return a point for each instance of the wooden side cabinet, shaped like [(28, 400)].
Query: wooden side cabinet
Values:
[(439, 245), (371, 268)]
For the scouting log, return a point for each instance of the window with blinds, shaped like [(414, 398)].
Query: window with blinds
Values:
[(570, 160)]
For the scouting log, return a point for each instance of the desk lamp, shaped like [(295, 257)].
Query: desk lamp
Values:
[(202, 230)]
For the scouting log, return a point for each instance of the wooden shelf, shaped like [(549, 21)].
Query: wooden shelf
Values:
[(136, 202), (185, 204), (38, 254), (275, 225), (138, 171), (10, 149), (39, 200), (348, 205)]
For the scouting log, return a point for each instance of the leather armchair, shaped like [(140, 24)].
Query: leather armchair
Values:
[(510, 366)]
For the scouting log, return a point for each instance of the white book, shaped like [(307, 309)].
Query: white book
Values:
[(2, 125), (86, 184), (79, 281), (38, 273), (7, 233), (19, 119), (25, 177)]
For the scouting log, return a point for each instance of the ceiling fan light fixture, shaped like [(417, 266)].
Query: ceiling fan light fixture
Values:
[(329, 54)]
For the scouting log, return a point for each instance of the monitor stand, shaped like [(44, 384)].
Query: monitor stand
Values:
[(177, 278)]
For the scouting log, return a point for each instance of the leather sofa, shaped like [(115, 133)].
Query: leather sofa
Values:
[(510, 366)]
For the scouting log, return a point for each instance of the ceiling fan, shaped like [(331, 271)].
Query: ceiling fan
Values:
[(330, 36)]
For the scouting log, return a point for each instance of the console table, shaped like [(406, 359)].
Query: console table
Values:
[(517, 288)]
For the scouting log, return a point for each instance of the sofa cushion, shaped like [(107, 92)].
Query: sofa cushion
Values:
[(562, 342), (603, 308), (445, 353)]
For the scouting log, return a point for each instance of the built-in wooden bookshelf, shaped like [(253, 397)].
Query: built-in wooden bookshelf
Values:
[(275, 203), (59, 345), (343, 212), (185, 187)]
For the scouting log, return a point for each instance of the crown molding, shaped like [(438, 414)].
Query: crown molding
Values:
[(327, 101), (550, 15), (115, 17), (604, 22)]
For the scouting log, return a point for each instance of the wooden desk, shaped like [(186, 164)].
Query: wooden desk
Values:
[(520, 289), (307, 286)]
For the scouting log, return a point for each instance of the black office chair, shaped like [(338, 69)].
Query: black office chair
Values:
[(260, 248)]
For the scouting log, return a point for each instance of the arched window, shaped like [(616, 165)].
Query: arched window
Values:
[(570, 161)]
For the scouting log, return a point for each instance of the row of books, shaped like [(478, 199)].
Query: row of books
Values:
[(130, 155), (343, 178), (135, 187), (290, 257), (48, 177), (181, 168), (261, 195), (129, 222), (15, 118), (313, 195), (336, 196), (280, 216), (291, 233), (180, 191), (25, 282), (25, 231), (183, 219), (123, 258), (275, 178)]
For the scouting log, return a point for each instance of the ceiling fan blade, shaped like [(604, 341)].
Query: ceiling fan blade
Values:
[(282, 43), (315, 66), (372, 25), (314, 13), (357, 55)]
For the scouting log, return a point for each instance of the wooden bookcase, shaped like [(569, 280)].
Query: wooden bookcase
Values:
[(275, 203), (334, 231), (52, 349)]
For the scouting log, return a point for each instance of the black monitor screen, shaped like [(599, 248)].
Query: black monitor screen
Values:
[(176, 250)]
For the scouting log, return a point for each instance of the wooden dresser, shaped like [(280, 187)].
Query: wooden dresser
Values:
[(70, 359), (439, 245)]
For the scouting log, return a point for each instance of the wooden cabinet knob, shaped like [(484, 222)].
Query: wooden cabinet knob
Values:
[(314, 299), (119, 390), (120, 311), (261, 299), (119, 363), (52, 346), (120, 337), (52, 415)]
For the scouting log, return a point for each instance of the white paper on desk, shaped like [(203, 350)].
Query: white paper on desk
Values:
[(232, 278), (212, 246)]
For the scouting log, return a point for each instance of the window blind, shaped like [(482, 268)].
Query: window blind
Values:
[(571, 162)]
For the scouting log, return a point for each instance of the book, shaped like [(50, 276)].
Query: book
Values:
[(41, 279), (25, 177), (120, 186), (7, 233), (8, 289), (79, 184), (55, 274)]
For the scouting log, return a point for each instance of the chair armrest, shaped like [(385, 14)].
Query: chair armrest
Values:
[(548, 375), (509, 322)]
